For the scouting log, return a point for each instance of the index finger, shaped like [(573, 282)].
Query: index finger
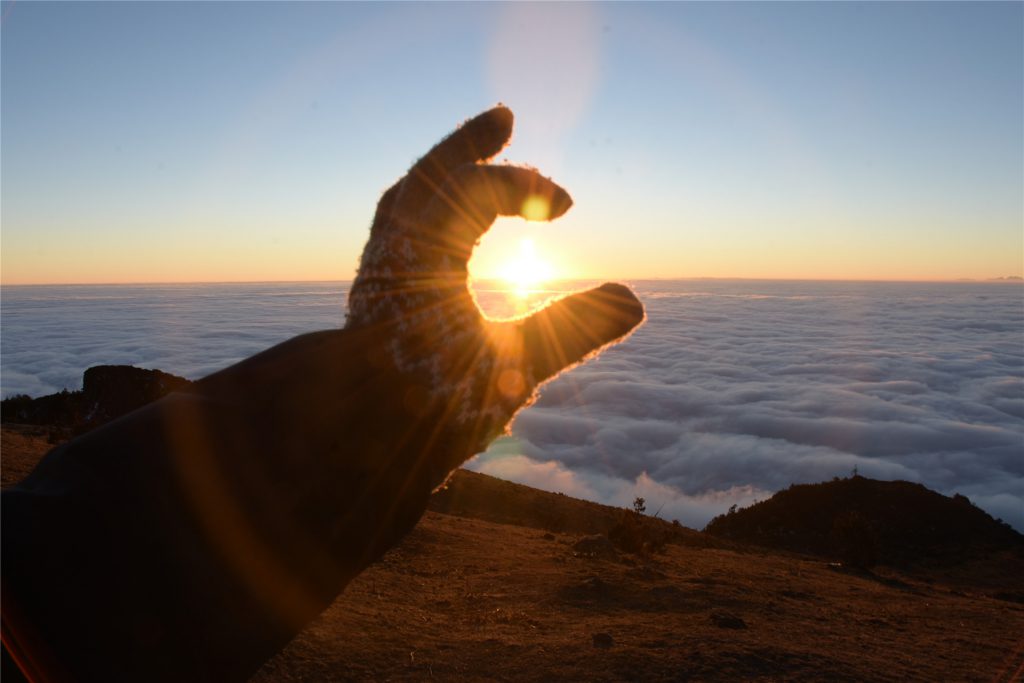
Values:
[(478, 139), (474, 196)]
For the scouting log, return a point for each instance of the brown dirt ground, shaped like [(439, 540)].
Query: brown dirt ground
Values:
[(473, 600)]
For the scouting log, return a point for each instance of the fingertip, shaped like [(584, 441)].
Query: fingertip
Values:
[(489, 131), (561, 201), (543, 198), (502, 119), (619, 291), (568, 330), (623, 301)]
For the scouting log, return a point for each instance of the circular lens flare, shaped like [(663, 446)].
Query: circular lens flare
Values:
[(536, 208)]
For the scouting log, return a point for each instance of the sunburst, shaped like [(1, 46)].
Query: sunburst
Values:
[(527, 271)]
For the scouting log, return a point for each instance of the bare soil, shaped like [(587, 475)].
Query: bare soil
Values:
[(471, 599)]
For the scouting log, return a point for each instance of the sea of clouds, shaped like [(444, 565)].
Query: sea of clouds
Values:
[(731, 390)]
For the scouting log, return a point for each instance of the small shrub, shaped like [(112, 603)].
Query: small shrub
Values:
[(639, 505)]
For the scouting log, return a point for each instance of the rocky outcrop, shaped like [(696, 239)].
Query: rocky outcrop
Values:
[(108, 391)]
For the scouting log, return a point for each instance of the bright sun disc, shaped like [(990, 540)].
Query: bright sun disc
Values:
[(528, 270)]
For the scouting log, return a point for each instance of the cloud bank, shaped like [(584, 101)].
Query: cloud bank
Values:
[(51, 334), (734, 390), (730, 392)]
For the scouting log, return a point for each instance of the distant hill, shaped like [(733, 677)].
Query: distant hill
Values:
[(470, 494), (898, 522)]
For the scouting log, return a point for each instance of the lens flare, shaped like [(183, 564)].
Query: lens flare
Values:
[(536, 208)]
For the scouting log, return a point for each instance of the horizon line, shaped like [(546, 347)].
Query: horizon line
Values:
[(1010, 279)]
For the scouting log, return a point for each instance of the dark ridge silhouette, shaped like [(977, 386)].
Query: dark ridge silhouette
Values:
[(861, 521), (108, 392), (480, 496)]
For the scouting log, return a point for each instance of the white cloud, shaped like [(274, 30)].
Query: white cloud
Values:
[(51, 334), (664, 500), (751, 386), (732, 390)]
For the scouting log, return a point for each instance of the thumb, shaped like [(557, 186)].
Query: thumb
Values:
[(570, 329)]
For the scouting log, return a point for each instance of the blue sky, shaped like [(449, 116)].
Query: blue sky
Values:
[(250, 141)]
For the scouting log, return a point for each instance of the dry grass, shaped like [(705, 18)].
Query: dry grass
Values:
[(471, 600)]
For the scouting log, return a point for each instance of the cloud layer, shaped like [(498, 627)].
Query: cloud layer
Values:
[(734, 390), (51, 334), (731, 391)]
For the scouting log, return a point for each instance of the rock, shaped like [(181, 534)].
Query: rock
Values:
[(726, 620), (113, 390), (108, 392), (548, 537), (596, 547), (603, 641)]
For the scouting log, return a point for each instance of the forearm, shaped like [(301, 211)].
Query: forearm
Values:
[(131, 554), (191, 539)]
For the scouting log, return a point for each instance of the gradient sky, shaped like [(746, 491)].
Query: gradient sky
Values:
[(250, 141)]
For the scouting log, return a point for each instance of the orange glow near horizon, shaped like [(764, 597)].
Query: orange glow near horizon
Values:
[(582, 245)]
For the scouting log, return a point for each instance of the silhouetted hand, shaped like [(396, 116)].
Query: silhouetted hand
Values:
[(190, 540), (466, 372)]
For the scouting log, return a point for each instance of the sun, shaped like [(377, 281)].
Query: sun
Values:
[(527, 271)]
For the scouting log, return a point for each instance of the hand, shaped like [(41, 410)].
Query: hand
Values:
[(468, 373), (205, 530)]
